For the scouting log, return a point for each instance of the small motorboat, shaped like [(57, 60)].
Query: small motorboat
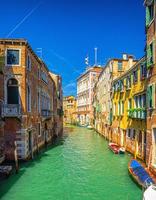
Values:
[(140, 174), (89, 127), (150, 193), (116, 148)]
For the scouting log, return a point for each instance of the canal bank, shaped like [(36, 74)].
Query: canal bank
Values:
[(78, 167)]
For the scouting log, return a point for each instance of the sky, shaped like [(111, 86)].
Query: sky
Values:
[(69, 30)]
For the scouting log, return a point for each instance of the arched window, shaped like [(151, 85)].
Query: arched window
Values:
[(12, 91), (28, 99)]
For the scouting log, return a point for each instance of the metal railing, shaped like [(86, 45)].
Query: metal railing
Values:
[(11, 110), (46, 113)]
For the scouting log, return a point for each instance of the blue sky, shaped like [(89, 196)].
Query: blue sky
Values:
[(68, 30)]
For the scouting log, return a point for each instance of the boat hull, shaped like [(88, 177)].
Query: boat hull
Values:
[(116, 148), (139, 174)]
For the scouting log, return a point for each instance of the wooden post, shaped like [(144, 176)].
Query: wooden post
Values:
[(32, 153), (16, 158), (37, 144)]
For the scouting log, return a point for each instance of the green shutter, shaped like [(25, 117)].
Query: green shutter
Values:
[(149, 55), (148, 97), (153, 96), (2, 63), (147, 16)]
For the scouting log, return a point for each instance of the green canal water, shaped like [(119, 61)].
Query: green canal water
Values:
[(79, 167)]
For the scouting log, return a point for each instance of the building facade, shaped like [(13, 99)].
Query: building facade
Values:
[(2, 154), (28, 100), (151, 81), (129, 109), (70, 110), (58, 104), (85, 85), (102, 101)]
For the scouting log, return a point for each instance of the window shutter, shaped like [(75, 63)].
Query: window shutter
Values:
[(148, 97), (141, 71), (147, 16), (132, 78), (153, 96), (2, 63), (149, 54), (153, 51)]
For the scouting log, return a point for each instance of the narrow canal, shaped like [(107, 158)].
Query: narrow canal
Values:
[(80, 167)]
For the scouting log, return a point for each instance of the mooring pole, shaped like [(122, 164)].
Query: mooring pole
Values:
[(16, 158)]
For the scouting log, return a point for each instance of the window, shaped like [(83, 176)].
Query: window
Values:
[(12, 91), (122, 107), (135, 76), (128, 82), (39, 102), (121, 85), (133, 134), (13, 57), (28, 99), (150, 54), (39, 129), (143, 71), (119, 107), (151, 96), (119, 66), (114, 109), (28, 62), (38, 73), (129, 133), (44, 77), (149, 13), (129, 103)]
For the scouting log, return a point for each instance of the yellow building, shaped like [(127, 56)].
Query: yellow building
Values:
[(70, 110), (129, 109)]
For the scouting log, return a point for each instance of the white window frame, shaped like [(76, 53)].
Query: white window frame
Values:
[(9, 65)]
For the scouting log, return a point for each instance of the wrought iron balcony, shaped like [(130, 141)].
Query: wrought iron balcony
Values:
[(46, 113), (11, 110)]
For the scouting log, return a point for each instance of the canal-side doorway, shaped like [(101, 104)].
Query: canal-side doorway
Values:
[(30, 143)]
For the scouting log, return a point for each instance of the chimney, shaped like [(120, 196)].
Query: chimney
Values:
[(125, 56)]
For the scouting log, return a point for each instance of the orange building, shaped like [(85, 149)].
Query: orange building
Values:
[(70, 110), (28, 100)]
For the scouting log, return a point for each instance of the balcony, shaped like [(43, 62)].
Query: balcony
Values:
[(46, 113), (137, 113), (11, 110)]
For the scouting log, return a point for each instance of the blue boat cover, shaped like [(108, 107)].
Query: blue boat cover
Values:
[(141, 173)]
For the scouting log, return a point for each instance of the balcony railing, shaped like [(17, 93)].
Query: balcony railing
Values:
[(46, 113), (11, 110), (137, 114)]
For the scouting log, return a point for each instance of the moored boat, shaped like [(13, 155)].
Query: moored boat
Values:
[(140, 174), (116, 148), (89, 127), (150, 193)]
